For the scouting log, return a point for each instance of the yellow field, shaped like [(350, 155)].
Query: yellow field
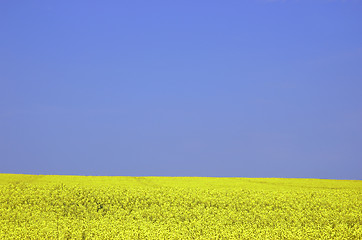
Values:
[(77, 207)]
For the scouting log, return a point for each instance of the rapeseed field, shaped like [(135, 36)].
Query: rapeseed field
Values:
[(82, 207)]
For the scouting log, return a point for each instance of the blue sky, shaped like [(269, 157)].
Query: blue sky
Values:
[(182, 88)]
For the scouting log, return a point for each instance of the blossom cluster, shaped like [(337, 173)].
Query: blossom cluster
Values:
[(71, 207)]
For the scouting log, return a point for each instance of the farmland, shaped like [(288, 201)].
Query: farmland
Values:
[(89, 207)]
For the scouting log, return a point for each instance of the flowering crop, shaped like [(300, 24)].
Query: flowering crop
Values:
[(76, 207)]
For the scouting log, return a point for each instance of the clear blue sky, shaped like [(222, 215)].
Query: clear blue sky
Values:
[(182, 88)]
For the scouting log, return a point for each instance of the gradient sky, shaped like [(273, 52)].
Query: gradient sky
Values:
[(182, 88)]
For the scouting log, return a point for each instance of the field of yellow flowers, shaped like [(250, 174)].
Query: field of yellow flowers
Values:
[(82, 207)]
